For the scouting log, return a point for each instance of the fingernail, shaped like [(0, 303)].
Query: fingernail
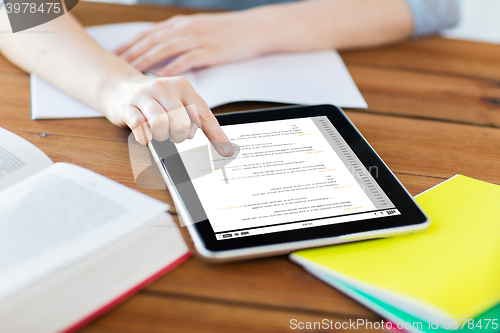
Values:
[(143, 134), (192, 130), (228, 149)]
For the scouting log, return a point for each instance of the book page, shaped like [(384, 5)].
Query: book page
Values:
[(61, 215), (19, 159)]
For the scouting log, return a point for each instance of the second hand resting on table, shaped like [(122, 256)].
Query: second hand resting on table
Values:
[(202, 40), (70, 60)]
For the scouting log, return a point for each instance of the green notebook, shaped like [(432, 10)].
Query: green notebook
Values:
[(444, 275)]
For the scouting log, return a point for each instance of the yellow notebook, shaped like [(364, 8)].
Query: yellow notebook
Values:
[(451, 271)]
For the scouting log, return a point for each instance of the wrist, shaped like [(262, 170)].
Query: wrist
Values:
[(276, 29), (114, 92), (269, 26), (293, 27)]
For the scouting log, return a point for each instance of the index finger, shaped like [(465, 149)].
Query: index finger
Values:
[(210, 126)]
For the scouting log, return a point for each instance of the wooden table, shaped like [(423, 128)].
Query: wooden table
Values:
[(434, 112)]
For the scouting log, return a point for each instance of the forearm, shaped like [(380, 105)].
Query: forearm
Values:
[(333, 24), (62, 53)]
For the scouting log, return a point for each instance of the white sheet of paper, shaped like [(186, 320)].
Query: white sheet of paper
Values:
[(301, 78), (298, 78), (19, 159)]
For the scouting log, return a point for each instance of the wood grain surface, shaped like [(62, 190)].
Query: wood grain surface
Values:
[(434, 112)]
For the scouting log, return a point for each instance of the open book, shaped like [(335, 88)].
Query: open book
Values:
[(299, 78), (72, 242)]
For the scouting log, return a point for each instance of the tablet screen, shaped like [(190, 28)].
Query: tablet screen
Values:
[(287, 174)]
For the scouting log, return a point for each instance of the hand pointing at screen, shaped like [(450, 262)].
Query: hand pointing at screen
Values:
[(163, 108)]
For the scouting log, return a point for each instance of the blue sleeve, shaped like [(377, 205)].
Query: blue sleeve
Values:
[(430, 16)]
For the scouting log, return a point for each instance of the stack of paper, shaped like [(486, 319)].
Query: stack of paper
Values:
[(439, 278)]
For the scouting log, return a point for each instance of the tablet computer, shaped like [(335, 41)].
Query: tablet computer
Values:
[(301, 176)]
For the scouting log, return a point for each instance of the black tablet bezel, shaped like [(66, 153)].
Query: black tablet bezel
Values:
[(411, 214)]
